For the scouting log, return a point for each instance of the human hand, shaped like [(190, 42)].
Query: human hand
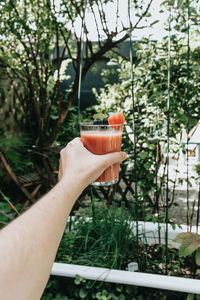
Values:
[(84, 167)]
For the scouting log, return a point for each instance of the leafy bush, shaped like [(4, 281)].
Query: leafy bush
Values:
[(147, 113), (79, 288)]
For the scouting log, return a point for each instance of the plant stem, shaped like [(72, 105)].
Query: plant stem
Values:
[(9, 202)]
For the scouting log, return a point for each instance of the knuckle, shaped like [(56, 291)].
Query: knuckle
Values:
[(121, 156), (62, 152), (76, 139)]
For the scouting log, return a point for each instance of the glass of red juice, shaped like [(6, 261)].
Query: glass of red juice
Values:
[(102, 139)]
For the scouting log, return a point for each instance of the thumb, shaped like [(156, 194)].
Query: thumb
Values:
[(115, 157)]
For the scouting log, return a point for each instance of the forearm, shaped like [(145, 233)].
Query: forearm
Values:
[(28, 245)]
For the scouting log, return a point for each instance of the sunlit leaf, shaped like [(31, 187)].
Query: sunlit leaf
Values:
[(182, 237), (189, 242)]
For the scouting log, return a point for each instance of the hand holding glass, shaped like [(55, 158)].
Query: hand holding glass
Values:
[(102, 139)]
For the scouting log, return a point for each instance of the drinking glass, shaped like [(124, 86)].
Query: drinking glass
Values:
[(102, 139)]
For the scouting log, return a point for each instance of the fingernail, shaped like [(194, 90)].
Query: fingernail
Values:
[(124, 155)]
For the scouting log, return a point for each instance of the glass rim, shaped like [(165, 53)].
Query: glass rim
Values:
[(101, 127), (98, 125)]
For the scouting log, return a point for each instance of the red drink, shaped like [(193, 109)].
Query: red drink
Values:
[(102, 139)]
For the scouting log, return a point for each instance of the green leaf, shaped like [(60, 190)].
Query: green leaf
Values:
[(128, 289), (147, 165), (143, 154), (190, 297), (187, 248), (83, 293), (183, 236), (119, 288), (121, 297), (79, 280), (150, 146), (179, 3), (180, 237), (197, 257), (189, 242)]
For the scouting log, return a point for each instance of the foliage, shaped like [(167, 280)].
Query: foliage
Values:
[(7, 210), (16, 146), (70, 129), (14, 142), (147, 112), (40, 57), (145, 159), (39, 42), (193, 297), (110, 239), (105, 241), (189, 243), (79, 288), (197, 169), (5, 214)]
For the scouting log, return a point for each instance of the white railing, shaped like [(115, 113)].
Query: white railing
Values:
[(149, 231), (125, 277)]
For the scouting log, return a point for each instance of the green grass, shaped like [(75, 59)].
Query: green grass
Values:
[(106, 241)]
